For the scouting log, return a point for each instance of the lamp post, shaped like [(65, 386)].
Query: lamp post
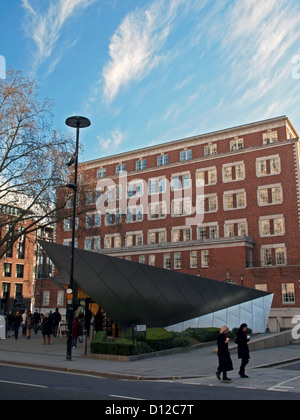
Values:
[(74, 122)]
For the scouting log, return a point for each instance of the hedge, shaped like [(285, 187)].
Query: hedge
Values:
[(156, 339)]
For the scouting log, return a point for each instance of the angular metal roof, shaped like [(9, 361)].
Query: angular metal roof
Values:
[(133, 293)]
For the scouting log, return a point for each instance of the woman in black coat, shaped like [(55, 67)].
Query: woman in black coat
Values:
[(243, 350), (225, 362), (47, 328)]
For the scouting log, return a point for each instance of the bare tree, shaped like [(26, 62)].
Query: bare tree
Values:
[(32, 160)]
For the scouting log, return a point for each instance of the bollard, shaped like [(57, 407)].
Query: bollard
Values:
[(84, 344)]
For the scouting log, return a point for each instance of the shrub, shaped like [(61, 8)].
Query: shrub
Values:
[(159, 339)]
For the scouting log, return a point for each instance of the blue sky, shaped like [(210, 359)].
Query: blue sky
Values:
[(151, 71)]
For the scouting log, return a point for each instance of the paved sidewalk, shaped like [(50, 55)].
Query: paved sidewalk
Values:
[(195, 363)]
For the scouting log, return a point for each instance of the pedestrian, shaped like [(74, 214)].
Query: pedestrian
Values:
[(76, 331), (10, 319), (47, 328), (24, 316), (225, 362), (56, 318), (98, 321), (29, 324), (17, 321), (242, 340), (36, 321)]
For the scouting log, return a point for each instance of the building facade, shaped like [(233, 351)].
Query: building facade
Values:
[(25, 267), (223, 205)]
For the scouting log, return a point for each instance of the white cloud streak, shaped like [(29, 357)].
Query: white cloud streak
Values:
[(135, 47), (259, 44), (45, 28)]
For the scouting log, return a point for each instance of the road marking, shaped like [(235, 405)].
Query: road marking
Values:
[(282, 387), (22, 384), (127, 398)]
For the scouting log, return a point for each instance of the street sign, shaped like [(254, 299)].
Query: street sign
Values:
[(141, 328)]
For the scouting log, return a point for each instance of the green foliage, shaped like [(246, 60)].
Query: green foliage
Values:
[(157, 339)]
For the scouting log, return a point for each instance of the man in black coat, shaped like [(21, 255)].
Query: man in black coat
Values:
[(242, 340)]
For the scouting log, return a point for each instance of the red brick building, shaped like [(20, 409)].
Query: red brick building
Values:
[(26, 269), (223, 205)]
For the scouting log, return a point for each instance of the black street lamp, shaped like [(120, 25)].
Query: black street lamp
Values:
[(74, 122)]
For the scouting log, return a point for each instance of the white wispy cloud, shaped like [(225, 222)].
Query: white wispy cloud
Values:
[(135, 46), (259, 44), (44, 27), (112, 143)]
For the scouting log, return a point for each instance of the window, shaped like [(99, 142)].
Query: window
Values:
[(273, 255), (269, 165), (267, 256), (236, 144), (157, 236), (9, 247), (46, 298), (89, 198), (121, 169), (270, 137), (181, 234), (205, 258), (157, 210), (181, 182), (18, 289), (68, 224), (92, 243), (262, 287), (135, 189), (210, 150), (270, 195), (7, 270), (185, 155), (271, 226), (142, 259), (5, 290), (288, 292), (134, 239), (19, 271), (207, 203), (193, 259), (181, 207), (177, 260), (157, 185), (167, 261), (162, 160), (235, 228), (140, 164), (60, 298), (151, 259), (92, 220), (89, 221), (234, 200), (234, 172), (21, 250), (108, 242), (134, 214), (207, 176), (208, 231), (101, 173)]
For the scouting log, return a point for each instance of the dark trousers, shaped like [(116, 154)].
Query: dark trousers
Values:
[(243, 365), (17, 332)]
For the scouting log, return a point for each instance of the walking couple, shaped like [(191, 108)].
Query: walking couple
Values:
[(225, 362)]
